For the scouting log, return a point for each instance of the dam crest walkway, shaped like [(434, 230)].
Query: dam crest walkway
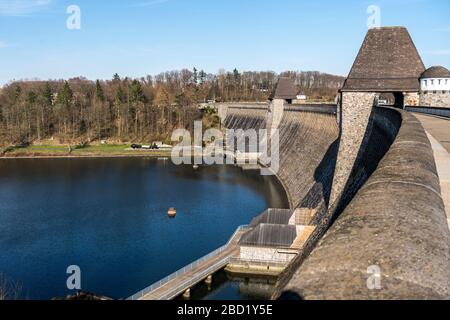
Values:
[(438, 131)]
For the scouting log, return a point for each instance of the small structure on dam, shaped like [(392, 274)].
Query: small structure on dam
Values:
[(277, 236), (285, 90), (269, 243), (388, 62)]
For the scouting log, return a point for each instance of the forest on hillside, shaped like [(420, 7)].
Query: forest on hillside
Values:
[(126, 110)]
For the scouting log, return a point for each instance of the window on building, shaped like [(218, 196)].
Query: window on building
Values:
[(432, 82), (424, 83), (434, 91), (439, 81)]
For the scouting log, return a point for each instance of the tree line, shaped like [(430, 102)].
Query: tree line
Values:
[(125, 110)]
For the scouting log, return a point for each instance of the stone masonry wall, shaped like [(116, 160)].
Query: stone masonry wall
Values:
[(276, 110), (440, 100), (412, 99), (355, 115), (264, 254)]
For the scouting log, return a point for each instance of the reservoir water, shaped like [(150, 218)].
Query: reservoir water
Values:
[(109, 217)]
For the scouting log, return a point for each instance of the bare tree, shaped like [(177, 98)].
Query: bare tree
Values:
[(79, 111)]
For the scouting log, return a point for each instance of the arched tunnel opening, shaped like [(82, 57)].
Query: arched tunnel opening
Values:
[(399, 100), (394, 99)]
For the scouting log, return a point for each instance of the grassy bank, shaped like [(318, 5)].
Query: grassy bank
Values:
[(84, 151)]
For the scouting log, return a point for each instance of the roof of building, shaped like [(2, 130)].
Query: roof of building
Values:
[(436, 72), (285, 89), (273, 216), (387, 61), (270, 235)]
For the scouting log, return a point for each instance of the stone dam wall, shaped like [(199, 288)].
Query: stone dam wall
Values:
[(395, 224), (391, 215), (307, 149), (438, 99)]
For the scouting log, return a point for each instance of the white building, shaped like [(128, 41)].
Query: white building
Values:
[(435, 87)]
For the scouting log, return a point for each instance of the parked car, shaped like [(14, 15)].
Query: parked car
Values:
[(145, 147)]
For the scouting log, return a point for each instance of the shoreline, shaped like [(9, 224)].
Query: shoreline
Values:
[(85, 156)]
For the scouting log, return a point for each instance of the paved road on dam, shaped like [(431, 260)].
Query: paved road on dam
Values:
[(438, 130)]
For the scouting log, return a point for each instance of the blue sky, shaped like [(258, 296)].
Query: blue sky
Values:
[(139, 37)]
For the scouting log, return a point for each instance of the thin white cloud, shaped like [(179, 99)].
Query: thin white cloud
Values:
[(22, 7), (444, 52), (447, 29), (150, 3), (3, 44)]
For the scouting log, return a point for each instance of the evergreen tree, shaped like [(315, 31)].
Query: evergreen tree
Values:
[(99, 92), (236, 76), (136, 92), (65, 96), (31, 98), (17, 93), (202, 77), (120, 96), (47, 94), (195, 76)]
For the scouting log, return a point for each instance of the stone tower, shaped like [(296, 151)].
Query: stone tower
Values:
[(388, 62), (284, 93)]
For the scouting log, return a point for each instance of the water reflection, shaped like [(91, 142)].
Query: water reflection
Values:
[(226, 286)]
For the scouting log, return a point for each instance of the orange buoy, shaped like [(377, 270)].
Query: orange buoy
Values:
[(172, 213)]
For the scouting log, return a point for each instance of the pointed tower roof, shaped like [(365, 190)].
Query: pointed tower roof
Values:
[(285, 89), (387, 61)]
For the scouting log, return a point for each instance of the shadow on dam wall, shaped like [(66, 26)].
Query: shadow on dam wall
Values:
[(384, 125)]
